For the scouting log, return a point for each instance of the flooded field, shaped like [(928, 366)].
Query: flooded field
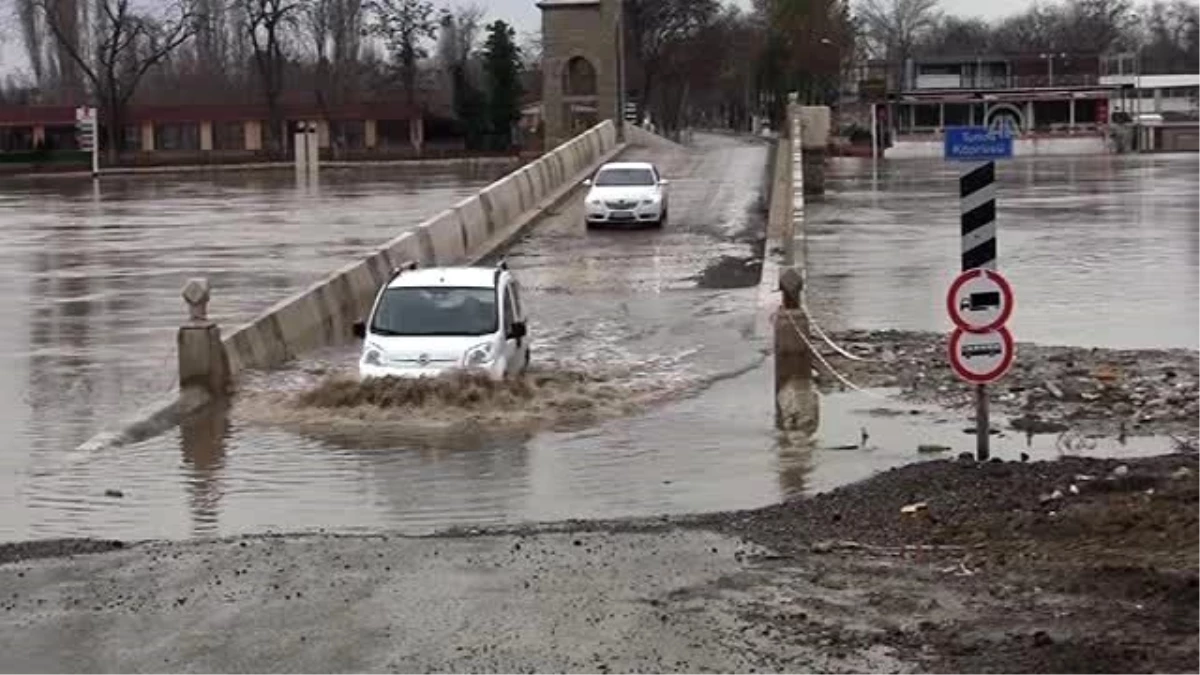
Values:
[(680, 417), (1101, 251), (90, 280)]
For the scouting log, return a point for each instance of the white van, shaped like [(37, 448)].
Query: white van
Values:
[(427, 322)]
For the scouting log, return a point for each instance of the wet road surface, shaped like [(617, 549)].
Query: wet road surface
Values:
[(1101, 251), (90, 281), (658, 601)]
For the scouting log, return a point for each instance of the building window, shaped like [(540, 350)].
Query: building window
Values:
[(16, 139), (348, 134), (131, 140), (229, 136), (185, 136)]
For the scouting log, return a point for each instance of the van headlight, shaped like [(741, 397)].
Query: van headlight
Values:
[(480, 355), (373, 356)]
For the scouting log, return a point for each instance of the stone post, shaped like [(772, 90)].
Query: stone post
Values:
[(203, 363), (814, 139), (795, 399)]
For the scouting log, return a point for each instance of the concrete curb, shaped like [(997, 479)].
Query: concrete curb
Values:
[(323, 314)]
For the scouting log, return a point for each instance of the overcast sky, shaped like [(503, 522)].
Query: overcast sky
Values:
[(523, 14)]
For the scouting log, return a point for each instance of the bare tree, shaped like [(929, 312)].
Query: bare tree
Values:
[(266, 25), (654, 27), (335, 29), (125, 45), (895, 27), (458, 34), (404, 25)]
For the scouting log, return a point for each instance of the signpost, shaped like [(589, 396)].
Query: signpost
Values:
[(87, 134), (980, 301)]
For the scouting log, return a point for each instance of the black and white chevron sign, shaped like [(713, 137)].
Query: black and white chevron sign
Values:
[(977, 191)]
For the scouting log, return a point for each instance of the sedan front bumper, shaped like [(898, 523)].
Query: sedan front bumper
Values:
[(643, 213)]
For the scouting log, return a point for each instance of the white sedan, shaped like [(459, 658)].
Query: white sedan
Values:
[(627, 193)]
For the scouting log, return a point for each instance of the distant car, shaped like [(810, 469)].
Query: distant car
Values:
[(627, 193), (428, 322)]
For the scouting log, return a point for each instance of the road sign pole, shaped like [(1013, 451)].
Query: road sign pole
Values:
[(95, 144), (983, 432), (977, 191)]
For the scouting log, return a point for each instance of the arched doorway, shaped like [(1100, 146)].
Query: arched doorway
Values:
[(579, 77)]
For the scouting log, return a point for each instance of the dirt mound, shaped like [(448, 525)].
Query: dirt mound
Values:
[(1078, 565)]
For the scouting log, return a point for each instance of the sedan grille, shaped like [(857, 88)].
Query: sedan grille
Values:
[(621, 204)]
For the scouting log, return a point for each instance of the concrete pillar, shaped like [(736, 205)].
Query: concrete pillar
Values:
[(971, 114), (203, 363), (941, 116), (814, 141), (793, 358), (323, 134), (39, 135), (1158, 94), (371, 134), (206, 136), (147, 136), (416, 133), (253, 132), (1030, 121), (1072, 118)]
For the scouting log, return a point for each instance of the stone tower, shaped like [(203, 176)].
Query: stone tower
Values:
[(582, 66)]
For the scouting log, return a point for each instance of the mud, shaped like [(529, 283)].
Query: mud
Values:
[(1050, 390), (1078, 565)]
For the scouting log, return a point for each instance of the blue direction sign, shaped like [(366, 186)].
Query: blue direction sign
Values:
[(977, 144)]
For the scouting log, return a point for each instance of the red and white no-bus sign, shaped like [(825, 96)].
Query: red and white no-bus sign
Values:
[(982, 358), (980, 300)]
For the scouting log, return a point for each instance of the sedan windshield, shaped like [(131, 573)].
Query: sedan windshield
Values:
[(625, 178), (436, 311)]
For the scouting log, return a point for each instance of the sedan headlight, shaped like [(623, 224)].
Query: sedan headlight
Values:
[(652, 200), (480, 355)]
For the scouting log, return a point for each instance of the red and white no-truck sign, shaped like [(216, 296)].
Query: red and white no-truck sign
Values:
[(980, 300), (982, 358)]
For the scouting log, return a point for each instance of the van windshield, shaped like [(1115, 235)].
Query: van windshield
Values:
[(625, 178), (436, 311)]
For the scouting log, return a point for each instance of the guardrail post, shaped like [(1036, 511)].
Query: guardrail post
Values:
[(203, 363)]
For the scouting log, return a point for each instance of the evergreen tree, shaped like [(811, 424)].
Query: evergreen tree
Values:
[(502, 70)]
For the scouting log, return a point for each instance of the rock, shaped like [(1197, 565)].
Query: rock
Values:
[(1182, 473), (1120, 471), (115, 494), (1054, 390), (914, 508), (966, 457), (1042, 639), (1052, 497), (931, 449), (1036, 425)]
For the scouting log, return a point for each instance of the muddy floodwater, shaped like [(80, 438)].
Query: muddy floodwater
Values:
[(1101, 251), (90, 280), (666, 317)]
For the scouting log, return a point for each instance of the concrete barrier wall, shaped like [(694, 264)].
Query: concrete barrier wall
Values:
[(324, 313)]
